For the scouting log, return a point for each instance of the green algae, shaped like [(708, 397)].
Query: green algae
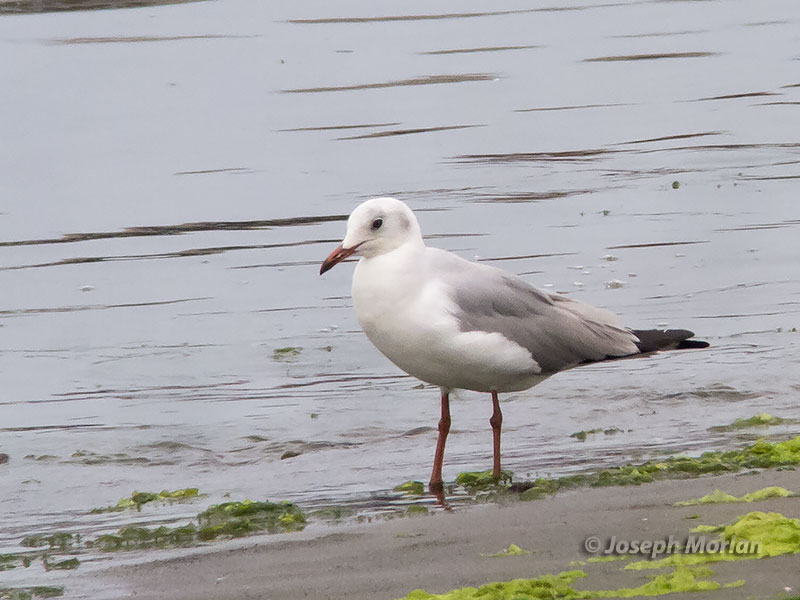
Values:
[(576, 563), (705, 529), (481, 480), (512, 550), (40, 591), (763, 419), (131, 537), (715, 497), (417, 509), (550, 587), (542, 487), (752, 536), (236, 519), (64, 565), (333, 513), (8, 561), (581, 435), (182, 494), (60, 540), (286, 354), (139, 499), (681, 579), (776, 533), (720, 497), (229, 519), (702, 571), (411, 488), (545, 587), (682, 560), (760, 455), (290, 454), (85, 457)]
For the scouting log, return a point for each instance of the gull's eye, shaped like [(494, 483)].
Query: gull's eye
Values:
[(376, 224)]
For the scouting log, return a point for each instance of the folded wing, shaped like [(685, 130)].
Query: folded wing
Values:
[(559, 332)]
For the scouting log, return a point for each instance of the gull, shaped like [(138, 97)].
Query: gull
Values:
[(457, 324)]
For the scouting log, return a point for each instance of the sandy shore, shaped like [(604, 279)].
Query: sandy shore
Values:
[(440, 552)]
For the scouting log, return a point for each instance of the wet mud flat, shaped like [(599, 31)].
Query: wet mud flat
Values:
[(163, 325)]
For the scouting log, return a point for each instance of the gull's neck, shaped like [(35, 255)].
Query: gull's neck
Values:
[(398, 269), (387, 284)]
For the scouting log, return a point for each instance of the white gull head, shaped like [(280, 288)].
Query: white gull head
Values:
[(381, 225), (377, 226)]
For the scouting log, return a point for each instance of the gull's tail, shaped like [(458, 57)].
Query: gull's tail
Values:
[(653, 340)]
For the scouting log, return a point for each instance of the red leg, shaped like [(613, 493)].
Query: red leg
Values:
[(436, 483), (496, 422)]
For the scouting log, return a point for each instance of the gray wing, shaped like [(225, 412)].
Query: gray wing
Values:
[(559, 332)]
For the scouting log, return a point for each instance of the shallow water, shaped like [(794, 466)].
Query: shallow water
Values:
[(173, 176)]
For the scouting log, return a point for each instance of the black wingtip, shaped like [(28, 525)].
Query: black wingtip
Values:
[(652, 340), (689, 344)]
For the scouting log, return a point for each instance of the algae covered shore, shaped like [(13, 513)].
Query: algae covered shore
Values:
[(521, 550), (725, 524)]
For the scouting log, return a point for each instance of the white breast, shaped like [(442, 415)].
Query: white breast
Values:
[(409, 317)]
